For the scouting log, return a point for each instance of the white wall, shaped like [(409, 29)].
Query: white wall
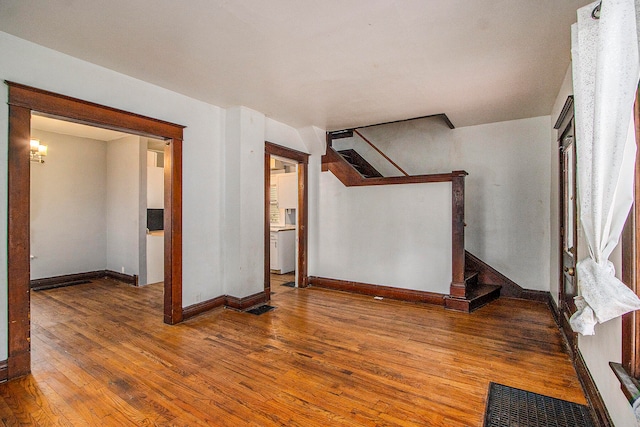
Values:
[(507, 191), (395, 235), (68, 233), (123, 205), (202, 176), (244, 202)]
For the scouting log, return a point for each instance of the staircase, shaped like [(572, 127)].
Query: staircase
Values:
[(475, 295), (359, 163), (472, 284)]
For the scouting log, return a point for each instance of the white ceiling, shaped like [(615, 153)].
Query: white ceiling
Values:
[(83, 131), (75, 129), (331, 63)]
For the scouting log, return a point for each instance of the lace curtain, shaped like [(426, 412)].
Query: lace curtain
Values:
[(605, 78)]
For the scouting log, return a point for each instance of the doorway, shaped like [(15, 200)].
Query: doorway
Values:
[(23, 100), (568, 284), (298, 213)]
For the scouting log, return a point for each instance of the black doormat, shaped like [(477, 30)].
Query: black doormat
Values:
[(508, 406), (289, 284), (260, 310)]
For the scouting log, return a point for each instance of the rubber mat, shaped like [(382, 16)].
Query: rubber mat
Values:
[(260, 310), (289, 284), (508, 406)]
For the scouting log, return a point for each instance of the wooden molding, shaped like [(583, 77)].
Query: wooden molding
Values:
[(55, 281), (22, 101), (334, 162), (629, 385), (598, 409), (204, 306), (246, 302), (510, 289), (596, 405), (360, 163), (378, 290), (226, 301), (458, 286), (302, 213), (89, 113)]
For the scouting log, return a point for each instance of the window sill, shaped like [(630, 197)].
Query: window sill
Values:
[(629, 385)]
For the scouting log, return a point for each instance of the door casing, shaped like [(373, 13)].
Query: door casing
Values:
[(22, 101)]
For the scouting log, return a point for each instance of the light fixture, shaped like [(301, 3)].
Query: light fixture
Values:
[(37, 151)]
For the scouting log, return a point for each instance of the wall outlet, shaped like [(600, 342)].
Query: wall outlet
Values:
[(122, 270), (198, 297)]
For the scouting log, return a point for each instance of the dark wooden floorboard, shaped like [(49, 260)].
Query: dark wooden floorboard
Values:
[(103, 356)]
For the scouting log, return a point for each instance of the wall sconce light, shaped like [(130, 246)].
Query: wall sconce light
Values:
[(37, 151)]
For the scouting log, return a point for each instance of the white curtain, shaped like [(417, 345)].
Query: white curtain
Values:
[(605, 78)]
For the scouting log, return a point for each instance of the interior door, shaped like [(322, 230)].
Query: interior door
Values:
[(568, 229)]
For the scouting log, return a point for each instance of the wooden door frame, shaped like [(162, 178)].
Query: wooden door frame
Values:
[(302, 159), (562, 125), (22, 101)]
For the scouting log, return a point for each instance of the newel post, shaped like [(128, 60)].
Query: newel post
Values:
[(458, 288)]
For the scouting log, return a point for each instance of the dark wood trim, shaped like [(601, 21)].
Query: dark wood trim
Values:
[(287, 153), (630, 268), (509, 288), (363, 167), (381, 153), (19, 329), (267, 221), (568, 107), (204, 306), (173, 231), (22, 101), (598, 410), (85, 112), (442, 116), (458, 284), (303, 224), (226, 301), (246, 302), (55, 281), (334, 162), (629, 385), (130, 279), (271, 149), (400, 294), (597, 407)]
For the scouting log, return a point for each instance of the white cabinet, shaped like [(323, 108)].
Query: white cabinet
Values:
[(155, 188), (287, 190), (282, 253), (155, 257)]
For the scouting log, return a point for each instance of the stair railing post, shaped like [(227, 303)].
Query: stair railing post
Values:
[(458, 285)]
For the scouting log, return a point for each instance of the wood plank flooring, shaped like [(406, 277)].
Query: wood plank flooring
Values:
[(102, 356)]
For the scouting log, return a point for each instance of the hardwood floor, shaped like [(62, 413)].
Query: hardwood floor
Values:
[(103, 356)]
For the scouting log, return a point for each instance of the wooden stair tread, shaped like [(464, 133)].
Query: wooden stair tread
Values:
[(482, 290), (478, 295)]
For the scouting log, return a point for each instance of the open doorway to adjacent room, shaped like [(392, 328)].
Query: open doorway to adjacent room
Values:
[(285, 217), (25, 100)]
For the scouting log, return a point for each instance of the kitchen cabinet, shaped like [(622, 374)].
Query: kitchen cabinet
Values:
[(155, 257), (282, 252), (155, 187), (287, 189)]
